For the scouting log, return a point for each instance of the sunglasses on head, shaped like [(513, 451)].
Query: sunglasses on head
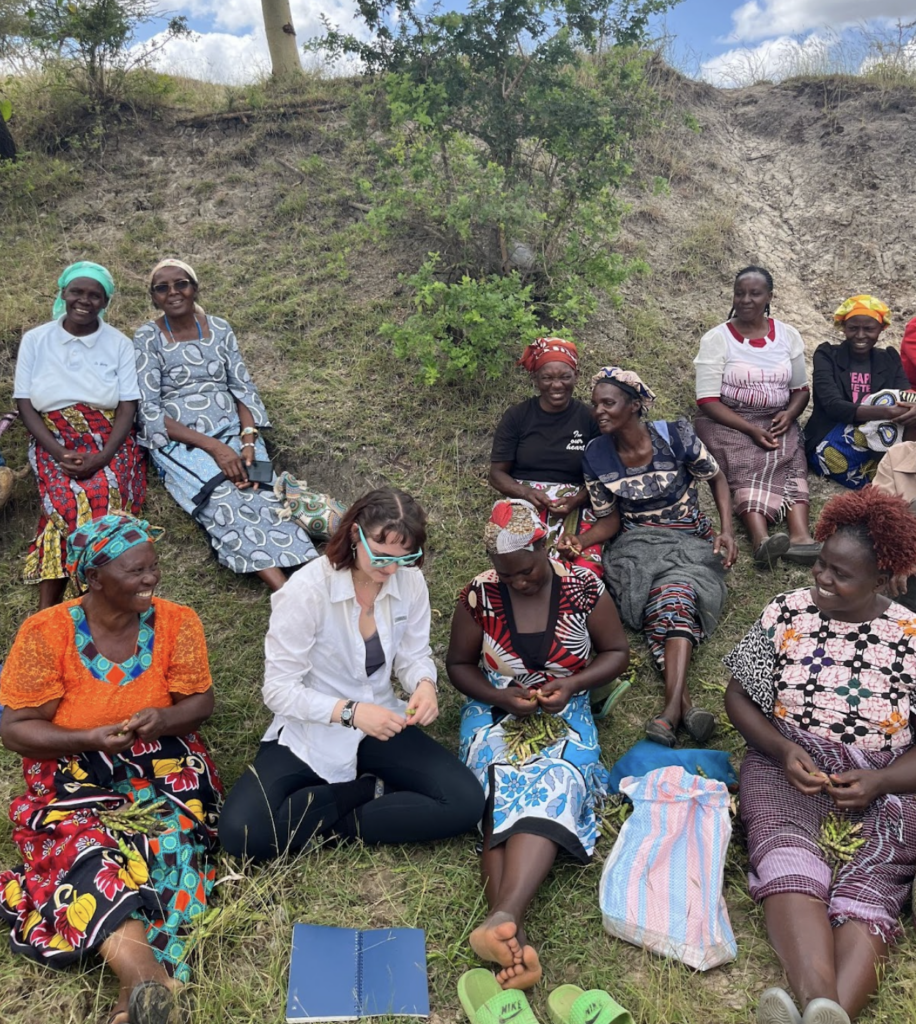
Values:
[(179, 286), (381, 561)]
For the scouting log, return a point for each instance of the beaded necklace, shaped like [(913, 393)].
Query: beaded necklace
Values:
[(168, 327)]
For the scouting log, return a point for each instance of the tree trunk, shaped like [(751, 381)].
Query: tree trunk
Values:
[(281, 39), (7, 142)]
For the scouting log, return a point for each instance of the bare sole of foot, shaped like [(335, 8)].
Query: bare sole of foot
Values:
[(496, 940), (524, 975)]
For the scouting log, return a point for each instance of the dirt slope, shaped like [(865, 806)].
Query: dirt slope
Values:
[(812, 179)]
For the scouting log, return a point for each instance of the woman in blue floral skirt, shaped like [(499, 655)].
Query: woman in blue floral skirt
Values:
[(530, 635)]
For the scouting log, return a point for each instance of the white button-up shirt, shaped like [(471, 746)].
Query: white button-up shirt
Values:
[(55, 369), (316, 656)]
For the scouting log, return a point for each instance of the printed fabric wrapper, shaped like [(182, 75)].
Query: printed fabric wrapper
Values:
[(661, 885), (318, 514), (880, 435)]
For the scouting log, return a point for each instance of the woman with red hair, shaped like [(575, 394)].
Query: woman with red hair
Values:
[(538, 446), (821, 690)]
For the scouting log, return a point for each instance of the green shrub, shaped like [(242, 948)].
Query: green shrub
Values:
[(466, 329)]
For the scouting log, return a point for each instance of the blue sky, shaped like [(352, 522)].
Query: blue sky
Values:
[(727, 42)]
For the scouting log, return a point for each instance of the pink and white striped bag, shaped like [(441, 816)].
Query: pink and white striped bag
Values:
[(661, 886)]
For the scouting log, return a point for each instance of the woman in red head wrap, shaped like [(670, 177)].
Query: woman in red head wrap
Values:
[(538, 446)]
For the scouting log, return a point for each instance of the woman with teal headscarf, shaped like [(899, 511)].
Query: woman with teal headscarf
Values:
[(76, 389), (104, 696)]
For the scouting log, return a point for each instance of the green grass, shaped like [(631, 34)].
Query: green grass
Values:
[(305, 285)]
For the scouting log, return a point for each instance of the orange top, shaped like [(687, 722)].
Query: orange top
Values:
[(44, 664)]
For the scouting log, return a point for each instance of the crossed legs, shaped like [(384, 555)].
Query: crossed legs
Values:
[(512, 874)]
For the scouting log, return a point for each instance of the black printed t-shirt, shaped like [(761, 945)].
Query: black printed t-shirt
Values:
[(544, 446)]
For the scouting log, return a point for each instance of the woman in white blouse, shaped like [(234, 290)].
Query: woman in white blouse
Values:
[(344, 757), (751, 388), (76, 389)]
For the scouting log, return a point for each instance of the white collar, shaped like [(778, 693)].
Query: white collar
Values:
[(88, 340), (342, 589)]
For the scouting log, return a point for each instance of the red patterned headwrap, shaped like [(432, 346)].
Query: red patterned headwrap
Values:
[(549, 350)]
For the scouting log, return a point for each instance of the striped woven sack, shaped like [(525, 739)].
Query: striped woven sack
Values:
[(661, 885)]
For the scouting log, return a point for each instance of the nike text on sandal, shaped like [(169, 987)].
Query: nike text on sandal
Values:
[(777, 1007), (769, 551), (568, 1004), (486, 1002)]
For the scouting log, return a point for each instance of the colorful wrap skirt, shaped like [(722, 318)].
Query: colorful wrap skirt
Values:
[(82, 877), (783, 829), (580, 520), (553, 794), (768, 482), (67, 503)]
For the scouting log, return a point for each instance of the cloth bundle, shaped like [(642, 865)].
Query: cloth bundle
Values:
[(647, 557), (661, 885), (318, 514), (883, 434)]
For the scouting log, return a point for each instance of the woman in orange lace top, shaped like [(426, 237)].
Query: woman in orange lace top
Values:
[(102, 698)]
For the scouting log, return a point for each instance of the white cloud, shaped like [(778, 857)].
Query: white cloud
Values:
[(215, 57), (765, 19), (239, 53), (238, 16), (773, 59)]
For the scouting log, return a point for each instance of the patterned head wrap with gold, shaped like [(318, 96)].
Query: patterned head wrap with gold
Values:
[(862, 305), (514, 525)]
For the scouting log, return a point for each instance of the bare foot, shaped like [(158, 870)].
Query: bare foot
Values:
[(496, 940), (524, 975)]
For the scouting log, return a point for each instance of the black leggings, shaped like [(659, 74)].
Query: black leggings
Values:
[(280, 803)]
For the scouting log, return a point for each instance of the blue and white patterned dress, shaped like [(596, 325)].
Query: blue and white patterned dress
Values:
[(197, 383), (555, 793)]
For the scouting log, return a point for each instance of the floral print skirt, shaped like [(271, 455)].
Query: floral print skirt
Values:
[(81, 879), (553, 794)]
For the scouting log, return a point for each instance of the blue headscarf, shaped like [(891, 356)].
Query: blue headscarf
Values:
[(102, 540), (82, 269)]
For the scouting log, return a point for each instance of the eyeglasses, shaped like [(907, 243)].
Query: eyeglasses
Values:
[(180, 286), (382, 561)]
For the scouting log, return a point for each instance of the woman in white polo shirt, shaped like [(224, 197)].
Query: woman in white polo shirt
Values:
[(345, 757), (76, 389)]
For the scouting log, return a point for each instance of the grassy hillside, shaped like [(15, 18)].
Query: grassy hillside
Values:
[(259, 193)]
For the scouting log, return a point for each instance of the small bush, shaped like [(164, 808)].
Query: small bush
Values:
[(466, 329)]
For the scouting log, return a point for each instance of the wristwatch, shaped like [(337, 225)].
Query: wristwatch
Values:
[(346, 714)]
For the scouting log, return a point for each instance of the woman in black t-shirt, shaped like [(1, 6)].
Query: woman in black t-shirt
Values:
[(538, 446)]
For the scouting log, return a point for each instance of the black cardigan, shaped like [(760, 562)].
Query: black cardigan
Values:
[(833, 402)]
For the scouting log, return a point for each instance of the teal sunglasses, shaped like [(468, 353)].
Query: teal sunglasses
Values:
[(383, 561)]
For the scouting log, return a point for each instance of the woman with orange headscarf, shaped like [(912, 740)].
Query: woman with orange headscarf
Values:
[(858, 413), (538, 447)]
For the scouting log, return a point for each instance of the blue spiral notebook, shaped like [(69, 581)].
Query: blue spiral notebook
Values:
[(345, 974)]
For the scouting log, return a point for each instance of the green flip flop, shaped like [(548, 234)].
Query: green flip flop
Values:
[(568, 1004), (486, 1002), (605, 697)]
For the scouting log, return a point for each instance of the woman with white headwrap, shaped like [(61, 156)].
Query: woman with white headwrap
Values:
[(201, 418)]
